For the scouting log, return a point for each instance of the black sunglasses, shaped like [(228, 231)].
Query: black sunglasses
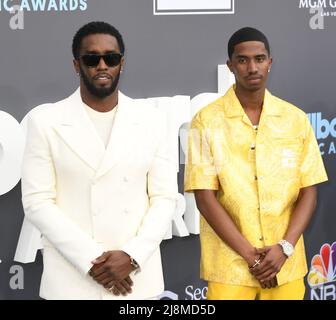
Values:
[(110, 59)]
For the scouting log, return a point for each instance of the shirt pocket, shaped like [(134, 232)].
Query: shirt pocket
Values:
[(288, 151)]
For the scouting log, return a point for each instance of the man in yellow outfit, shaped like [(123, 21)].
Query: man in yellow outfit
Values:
[(253, 161)]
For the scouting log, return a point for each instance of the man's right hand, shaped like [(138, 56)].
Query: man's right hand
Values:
[(252, 260), (123, 287), (109, 281)]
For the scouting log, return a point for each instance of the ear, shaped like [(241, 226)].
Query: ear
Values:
[(76, 65), (270, 62), (122, 63), (229, 64)]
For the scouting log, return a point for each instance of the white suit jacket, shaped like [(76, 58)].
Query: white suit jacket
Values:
[(86, 199)]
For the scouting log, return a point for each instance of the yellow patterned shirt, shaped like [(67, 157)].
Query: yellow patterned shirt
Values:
[(258, 173)]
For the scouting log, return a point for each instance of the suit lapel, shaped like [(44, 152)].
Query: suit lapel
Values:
[(123, 135), (78, 132)]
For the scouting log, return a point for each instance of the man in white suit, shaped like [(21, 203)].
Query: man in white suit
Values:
[(98, 181)]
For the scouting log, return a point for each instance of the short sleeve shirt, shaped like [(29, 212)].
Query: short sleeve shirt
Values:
[(258, 173)]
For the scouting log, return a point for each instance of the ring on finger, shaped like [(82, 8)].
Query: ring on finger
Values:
[(257, 263)]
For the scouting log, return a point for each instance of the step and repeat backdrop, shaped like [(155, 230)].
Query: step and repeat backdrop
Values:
[(175, 58)]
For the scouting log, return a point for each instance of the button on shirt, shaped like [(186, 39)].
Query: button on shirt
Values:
[(258, 175)]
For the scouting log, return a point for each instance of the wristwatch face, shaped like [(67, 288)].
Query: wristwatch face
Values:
[(134, 263), (288, 250)]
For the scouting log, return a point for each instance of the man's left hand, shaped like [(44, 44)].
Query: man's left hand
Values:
[(111, 265), (270, 265)]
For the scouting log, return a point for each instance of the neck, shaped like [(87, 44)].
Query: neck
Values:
[(99, 104), (251, 100)]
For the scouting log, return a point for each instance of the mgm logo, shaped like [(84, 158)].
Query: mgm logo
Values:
[(319, 9)]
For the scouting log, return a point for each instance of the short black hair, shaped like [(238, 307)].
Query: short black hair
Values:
[(95, 27), (247, 34)]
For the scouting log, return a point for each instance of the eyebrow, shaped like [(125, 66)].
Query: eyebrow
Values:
[(256, 56), (96, 52)]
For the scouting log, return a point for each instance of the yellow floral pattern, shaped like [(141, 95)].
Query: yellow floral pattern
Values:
[(258, 174)]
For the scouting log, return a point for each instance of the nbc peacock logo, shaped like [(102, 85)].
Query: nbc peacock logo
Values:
[(322, 275)]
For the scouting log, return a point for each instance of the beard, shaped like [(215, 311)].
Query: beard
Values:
[(96, 91)]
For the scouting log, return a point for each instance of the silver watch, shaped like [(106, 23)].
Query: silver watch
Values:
[(287, 247), (134, 264)]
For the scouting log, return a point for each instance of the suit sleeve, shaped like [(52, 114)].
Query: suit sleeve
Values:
[(163, 195), (39, 202)]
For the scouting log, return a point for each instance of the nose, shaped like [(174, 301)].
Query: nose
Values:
[(252, 66), (102, 65)]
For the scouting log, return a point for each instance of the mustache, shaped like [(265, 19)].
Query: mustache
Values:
[(253, 76)]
